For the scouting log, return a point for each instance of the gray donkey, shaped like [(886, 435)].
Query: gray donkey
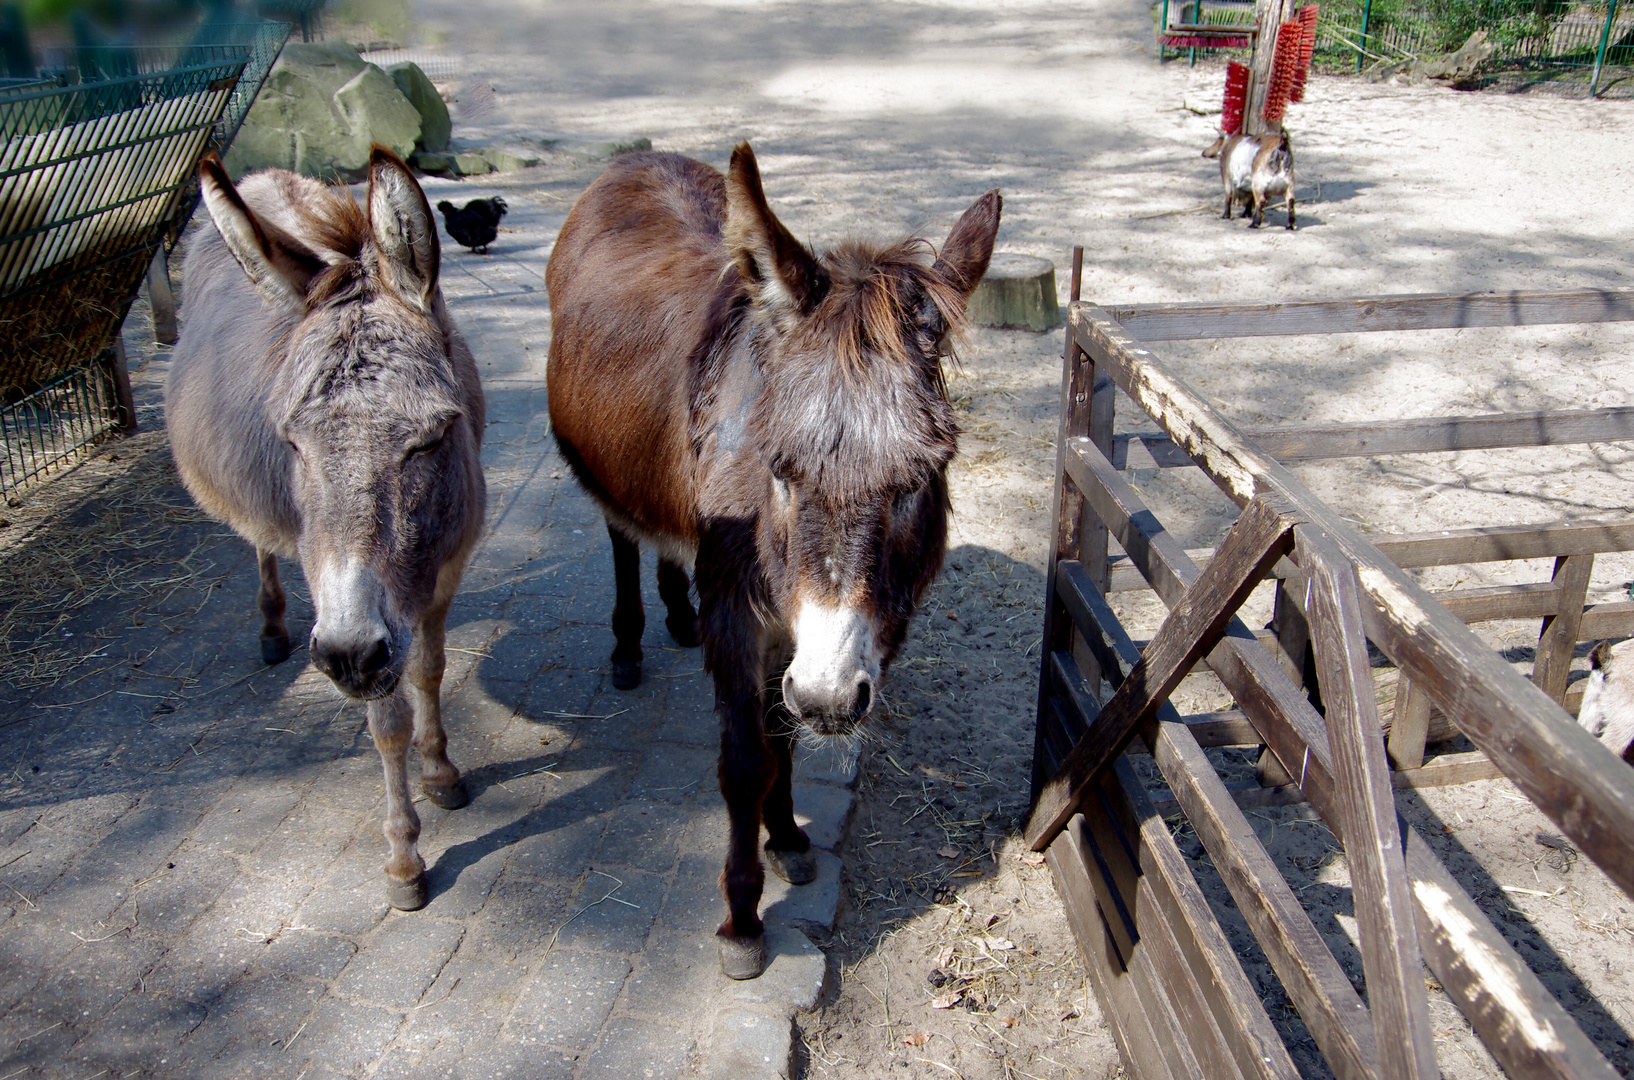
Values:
[(322, 403)]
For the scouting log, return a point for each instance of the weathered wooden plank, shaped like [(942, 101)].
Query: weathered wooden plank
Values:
[(1430, 311), (1419, 435), (1316, 984), (1257, 539), (1137, 1043), (1557, 763), (1384, 917), (1558, 637), (1503, 542), (1409, 725), (1451, 547), (1526, 1030), (1231, 1000), (1066, 512), (1607, 621)]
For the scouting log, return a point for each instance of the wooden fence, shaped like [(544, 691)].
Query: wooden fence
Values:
[(1169, 983)]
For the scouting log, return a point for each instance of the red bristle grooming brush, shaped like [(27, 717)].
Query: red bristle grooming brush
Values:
[(1307, 50), (1236, 98), (1283, 66)]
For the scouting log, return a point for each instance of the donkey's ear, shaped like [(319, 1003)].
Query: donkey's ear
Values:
[(969, 246), (404, 231), (278, 272), (779, 270)]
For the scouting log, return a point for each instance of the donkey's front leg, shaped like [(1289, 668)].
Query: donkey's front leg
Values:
[(392, 725), (746, 772), (439, 779), (673, 588), (270, 599), (788, 848)]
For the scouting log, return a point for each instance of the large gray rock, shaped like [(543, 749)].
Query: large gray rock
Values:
[(319, 111), (435, 126)]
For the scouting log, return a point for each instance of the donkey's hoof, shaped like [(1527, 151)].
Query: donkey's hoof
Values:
[(274, 650), (448, 796), (626, 674), (742, 957), (411, 895), (684, 631), (794, 867)]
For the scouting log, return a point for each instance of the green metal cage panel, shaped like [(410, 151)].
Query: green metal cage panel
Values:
[(92, 178)]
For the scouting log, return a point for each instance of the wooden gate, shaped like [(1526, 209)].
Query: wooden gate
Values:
[(1177, 999)]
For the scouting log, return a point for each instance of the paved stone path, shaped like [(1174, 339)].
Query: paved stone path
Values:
[(190, 847)]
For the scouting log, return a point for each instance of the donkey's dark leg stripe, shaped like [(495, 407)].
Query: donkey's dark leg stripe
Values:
[(629, 620)]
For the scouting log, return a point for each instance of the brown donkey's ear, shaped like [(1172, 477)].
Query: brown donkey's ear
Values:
[(278, 272), (969, 246), (780, 271), (404, 231)]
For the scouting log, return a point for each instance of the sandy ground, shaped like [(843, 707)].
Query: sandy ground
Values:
[(886, 117), (882, 118)]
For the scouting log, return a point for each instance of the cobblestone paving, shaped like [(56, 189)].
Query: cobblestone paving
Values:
[(190, 844)]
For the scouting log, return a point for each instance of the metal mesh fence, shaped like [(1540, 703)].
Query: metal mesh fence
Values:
[(1573, 46), (57, 423)]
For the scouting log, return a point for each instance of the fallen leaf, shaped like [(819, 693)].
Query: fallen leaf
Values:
[(945, 957), (998, 944), (1070, 1014), (948, 852), (917, 1039), (946, 1001), (1032, 858), (1008, 1021)]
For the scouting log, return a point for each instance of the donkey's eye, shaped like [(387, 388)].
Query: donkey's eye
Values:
[(426, 447)]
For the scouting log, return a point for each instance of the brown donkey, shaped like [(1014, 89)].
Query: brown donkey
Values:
[(777, 419), (322, 404)]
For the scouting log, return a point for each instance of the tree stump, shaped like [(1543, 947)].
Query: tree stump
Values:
[(1018, 293)]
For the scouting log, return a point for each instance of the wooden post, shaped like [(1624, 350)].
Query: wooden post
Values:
[(1410, 724), (1378, 872), (162, 299), (1070, 515), (1552, 663), (123, 397), (1269, 16)]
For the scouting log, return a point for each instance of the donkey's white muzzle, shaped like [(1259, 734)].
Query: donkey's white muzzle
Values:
[(830, 682), (351, 642)]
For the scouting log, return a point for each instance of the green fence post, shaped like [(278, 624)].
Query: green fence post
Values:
[(1367, 14), (1600, 57)]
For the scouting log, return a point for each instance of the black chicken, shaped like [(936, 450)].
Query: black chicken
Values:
[(475, 224)]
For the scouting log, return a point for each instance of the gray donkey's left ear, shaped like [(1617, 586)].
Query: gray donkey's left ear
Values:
[(279, 272), (404, 230)]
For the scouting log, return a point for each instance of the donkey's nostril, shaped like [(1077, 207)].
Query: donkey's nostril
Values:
[(865, 698), (376, 658)]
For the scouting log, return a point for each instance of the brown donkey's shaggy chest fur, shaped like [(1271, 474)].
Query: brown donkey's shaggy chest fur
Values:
[(776, 420)]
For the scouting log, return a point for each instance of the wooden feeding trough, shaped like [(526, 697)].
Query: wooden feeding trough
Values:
[(1169, 983)]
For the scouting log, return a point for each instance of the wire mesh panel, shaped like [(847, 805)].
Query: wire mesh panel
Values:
[(56, 423), (92, 176)]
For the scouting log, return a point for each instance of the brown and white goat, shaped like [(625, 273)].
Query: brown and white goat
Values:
[(1255, 169), (1608, 699)]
